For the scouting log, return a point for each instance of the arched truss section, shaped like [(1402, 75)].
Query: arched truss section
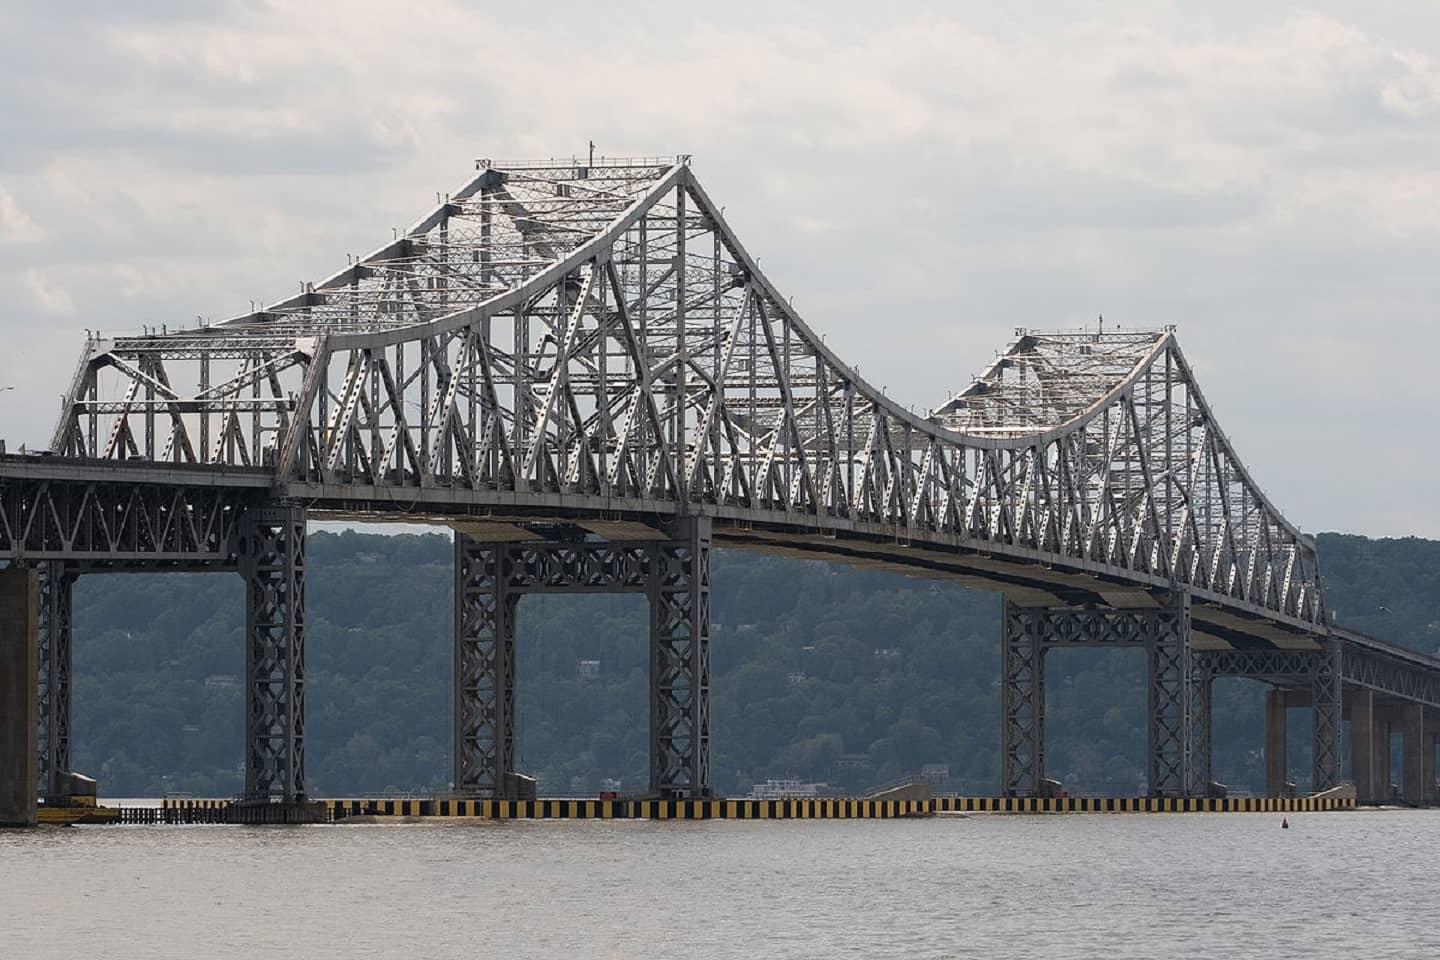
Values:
[(594, 337)]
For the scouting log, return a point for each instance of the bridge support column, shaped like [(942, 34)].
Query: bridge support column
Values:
[(1170, 661), (1327, 715), (272, 561), (57, 590), (1363, 747), (484, 711), (1427, 764), (1276, 766), (1384, 775), (19, 703), (1412, 732), (1198, 763), (679, 592), (1022, 725), (1178, 700)]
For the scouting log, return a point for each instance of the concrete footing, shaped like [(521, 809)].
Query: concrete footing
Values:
[(905, 791), (1343, 794), (19, 706), (819, 808), (288, 812)]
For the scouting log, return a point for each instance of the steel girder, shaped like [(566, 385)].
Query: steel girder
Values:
[(579, 332), (1360, 666), (1373, 669), (121, 522), (57, 583), (1178, 698), (673, 573), (272, 561), (1283, 667)]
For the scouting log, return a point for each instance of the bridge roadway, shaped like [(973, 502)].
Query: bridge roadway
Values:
[(1385, 688), (581, 371)]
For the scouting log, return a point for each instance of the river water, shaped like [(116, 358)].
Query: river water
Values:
[(1114, 886)]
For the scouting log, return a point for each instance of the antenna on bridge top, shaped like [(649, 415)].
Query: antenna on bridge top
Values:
[(592, 153)]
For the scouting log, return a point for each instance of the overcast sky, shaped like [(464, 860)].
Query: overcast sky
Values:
[(920, 182)]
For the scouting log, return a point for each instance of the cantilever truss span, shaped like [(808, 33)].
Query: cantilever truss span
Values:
[(580, 368), (594, 338)]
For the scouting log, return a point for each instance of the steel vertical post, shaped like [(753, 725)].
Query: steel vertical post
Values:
[(1327, 715), (1170, 661), (484, 707), (57, 585), (679, 594), (272, 561), (1022, 724), (1198, 762)]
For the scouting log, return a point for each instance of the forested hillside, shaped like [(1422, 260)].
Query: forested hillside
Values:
[(820, 672)]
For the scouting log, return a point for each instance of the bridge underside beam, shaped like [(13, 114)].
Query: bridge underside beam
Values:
[(673, 571), (272, 561), (152, 524), (1390, 675), (1178, 689)]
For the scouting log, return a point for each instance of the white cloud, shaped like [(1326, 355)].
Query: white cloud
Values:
[(46, 296), (15, 224)]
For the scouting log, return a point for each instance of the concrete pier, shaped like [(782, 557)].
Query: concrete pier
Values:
[(1362, 746), (19, 698), (1276, 765), (1427, 764), (1412, 732), (1383, 774)]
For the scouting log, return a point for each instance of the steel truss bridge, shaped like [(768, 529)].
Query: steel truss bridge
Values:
[(581, 370)]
